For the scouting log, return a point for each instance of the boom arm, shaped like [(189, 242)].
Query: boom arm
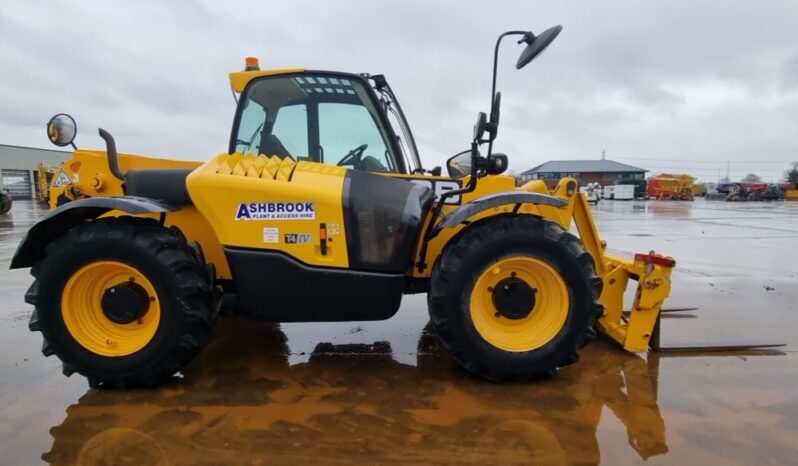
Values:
[(652, 272)]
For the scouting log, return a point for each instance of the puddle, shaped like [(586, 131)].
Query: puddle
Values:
[(385, 392)]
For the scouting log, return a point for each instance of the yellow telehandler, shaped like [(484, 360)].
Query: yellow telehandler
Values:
[(320, 210)]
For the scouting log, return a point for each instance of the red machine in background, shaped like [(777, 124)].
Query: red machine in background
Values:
[(744, 191)]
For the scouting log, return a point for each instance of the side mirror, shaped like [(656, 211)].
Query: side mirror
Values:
[(497, 164), (459, 165), (536, 45), (480, 126), (62, 129)]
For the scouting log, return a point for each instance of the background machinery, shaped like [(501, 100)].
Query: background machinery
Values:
[(672, 187), (745, 191), (44, 178), (592, 192)]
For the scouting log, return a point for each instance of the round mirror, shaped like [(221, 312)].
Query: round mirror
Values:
[(61, 130), (536, 45)]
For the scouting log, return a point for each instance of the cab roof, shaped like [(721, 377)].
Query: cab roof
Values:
[(240, 79)]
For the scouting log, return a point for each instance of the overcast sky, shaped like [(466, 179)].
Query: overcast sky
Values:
[(665, 85)]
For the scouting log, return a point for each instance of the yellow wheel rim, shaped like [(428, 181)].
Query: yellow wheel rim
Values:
[(543, 323), (87, 323)]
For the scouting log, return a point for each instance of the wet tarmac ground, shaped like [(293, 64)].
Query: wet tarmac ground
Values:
[(386, 393)]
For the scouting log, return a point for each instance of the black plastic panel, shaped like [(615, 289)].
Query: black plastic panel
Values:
[(383, 218), (168, 185), (273, 286)]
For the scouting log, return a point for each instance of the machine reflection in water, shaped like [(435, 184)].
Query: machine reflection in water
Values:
[(241, 402)]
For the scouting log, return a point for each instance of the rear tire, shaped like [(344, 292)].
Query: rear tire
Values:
[(172, 317), (465, 311)]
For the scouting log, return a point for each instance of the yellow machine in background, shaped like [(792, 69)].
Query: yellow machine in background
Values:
[(673, 187), (44, 177), (699, 189), (320, 210)]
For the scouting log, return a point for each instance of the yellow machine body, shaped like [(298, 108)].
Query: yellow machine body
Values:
[(220, 187), (228, 183), (86, 174), (231, 195)]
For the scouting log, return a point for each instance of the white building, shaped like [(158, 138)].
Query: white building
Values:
[(18, 167)]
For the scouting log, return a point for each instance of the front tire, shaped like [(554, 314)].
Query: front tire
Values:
[(514, 297), (123, 301)]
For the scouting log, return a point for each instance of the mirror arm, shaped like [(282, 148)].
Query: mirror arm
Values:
[(113, 163), (496, 60), (438, 207), (493, 87)]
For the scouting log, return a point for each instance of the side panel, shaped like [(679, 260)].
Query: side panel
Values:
[(265, 203), (273, 286)]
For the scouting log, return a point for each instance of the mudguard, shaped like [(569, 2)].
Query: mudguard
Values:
[(64, 217), (466, 211)]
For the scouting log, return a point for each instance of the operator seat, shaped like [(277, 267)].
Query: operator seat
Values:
[(270, 145), (371, 164)]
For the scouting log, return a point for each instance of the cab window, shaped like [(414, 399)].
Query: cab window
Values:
[(291, 128), (321, 118), (346, 127)]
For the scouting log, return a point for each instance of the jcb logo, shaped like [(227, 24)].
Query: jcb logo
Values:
[(439, 187)]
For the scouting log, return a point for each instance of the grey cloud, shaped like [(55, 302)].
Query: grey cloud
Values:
[(656, 79)]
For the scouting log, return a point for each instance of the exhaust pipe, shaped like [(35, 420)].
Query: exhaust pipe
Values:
[(110, 147)]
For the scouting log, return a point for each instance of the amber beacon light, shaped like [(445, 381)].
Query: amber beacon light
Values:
[(251, 64)]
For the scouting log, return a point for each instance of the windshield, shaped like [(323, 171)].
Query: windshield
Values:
[(319, 117)]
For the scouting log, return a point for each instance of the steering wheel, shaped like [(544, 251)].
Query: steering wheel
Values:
[(354, 156)]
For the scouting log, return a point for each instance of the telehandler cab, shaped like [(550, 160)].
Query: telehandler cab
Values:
[(320, 210)]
